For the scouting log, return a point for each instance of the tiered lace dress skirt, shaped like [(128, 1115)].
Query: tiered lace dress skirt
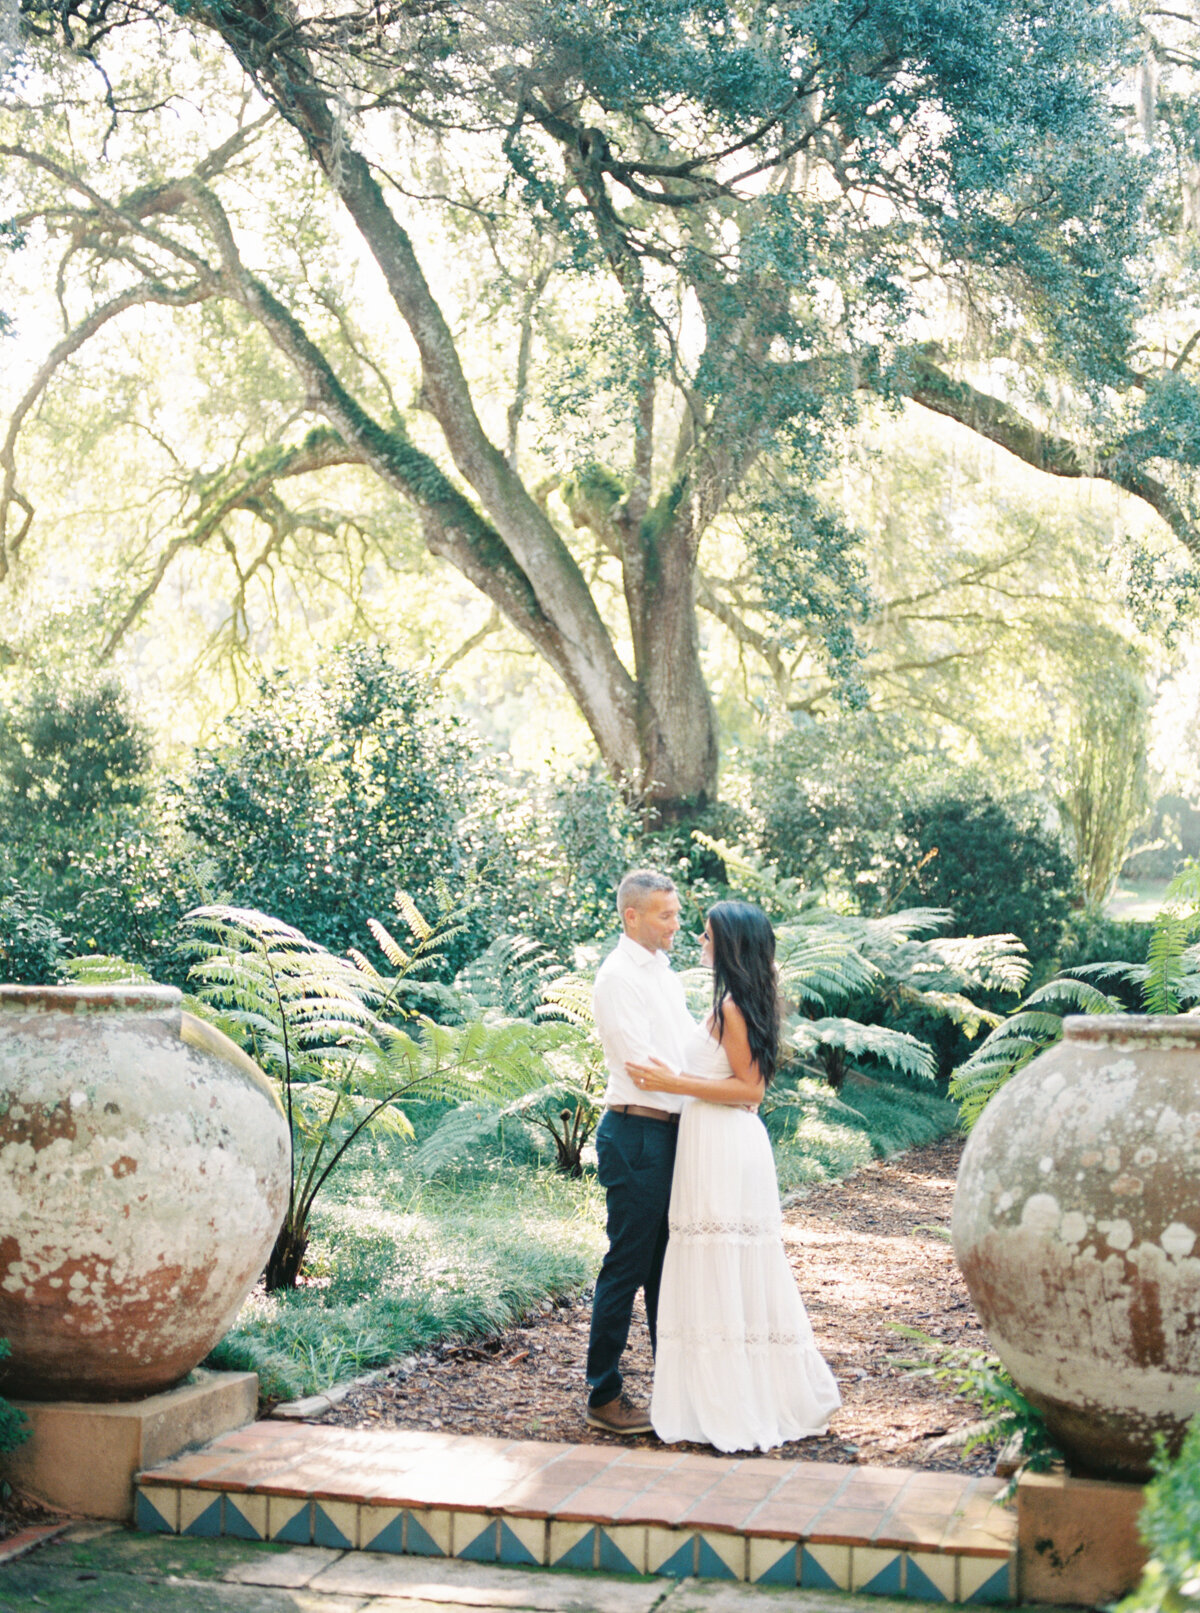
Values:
[(736, 1364)]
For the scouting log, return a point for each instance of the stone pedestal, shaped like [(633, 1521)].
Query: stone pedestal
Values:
[(1077, 1539), (81, 1456)]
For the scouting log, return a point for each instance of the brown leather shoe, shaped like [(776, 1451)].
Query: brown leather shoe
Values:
[(620, 1416)]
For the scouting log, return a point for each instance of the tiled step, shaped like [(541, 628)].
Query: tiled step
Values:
[(883, 1530)]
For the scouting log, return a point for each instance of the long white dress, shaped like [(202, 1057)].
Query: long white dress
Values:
[(736, 1364)]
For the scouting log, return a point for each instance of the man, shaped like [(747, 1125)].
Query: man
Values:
[(641, 1013)]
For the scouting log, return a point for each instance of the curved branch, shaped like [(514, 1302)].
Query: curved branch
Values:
[(136, 296), (317, 452), (999, 422)]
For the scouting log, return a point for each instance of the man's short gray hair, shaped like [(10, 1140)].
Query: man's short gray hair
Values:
[(638, 884)]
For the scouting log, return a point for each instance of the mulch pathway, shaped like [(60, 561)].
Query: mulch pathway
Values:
[(871, 1255)]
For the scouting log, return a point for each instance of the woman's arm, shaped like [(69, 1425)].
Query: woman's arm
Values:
[(745, 1086)]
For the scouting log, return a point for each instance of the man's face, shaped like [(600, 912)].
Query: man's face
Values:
[(655, 923)]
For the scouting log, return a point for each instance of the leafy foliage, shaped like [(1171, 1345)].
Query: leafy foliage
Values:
[(326, 798), (1166, 983), (841, 975), (1036, 1025), (14, 1425), (761, 213), (1173, 968), (347, 1054), (1169, 1523), (32, 947), (1007, 1416), (845, 808), (69, 752)]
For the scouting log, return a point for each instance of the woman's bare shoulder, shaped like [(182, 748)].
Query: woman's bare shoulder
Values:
[(735, 1020)]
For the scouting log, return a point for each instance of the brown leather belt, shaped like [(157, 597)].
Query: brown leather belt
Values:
[(645, 1111)]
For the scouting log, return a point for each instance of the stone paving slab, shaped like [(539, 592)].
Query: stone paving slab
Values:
[(886, 1532), (113, 1571)]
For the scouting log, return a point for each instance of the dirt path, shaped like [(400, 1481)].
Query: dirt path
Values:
[(869, 1253)]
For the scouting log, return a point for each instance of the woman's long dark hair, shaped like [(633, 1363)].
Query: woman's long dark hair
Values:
[(743, 949)]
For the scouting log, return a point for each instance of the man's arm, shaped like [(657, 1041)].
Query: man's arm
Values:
[(623, 1021)]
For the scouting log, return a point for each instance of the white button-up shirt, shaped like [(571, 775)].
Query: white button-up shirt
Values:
[(641, 1012)]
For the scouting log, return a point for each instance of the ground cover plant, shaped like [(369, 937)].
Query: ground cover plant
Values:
[(400, 1260)]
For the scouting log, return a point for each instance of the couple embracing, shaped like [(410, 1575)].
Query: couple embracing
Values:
[(693, 1203)]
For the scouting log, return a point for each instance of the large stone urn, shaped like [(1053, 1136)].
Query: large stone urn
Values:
[(144, 1168), (1076, 1224)]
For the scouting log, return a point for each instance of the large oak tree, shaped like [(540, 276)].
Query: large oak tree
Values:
[(775, 211)]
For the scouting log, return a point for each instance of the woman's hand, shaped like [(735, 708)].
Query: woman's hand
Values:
[(654, 1076)]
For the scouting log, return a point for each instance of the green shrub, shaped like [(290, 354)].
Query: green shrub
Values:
[(991, 862), (846, 808), (14, 1425), (324, 799), (71, 752), (127, 900), (1170, 1526), (32, 946)]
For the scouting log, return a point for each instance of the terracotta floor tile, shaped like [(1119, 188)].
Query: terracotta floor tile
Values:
[(916, 1498), (631, 1479), (711, 1513), (683, 1481), (583, 1467), (801, 1491), (534, 1500), (649, 1458), (654, 1507), (867, 1473), (745, 1487), (535, 1452), (845, 1525), (700, 1464), (791, 1522), (904, 1529), (597, 1504), (191, 1467), (258, 1436), (868, 1495), (817, 1470), (975, 1540), (942, 1483)]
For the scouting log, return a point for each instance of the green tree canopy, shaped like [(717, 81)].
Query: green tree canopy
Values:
[(697, 236)]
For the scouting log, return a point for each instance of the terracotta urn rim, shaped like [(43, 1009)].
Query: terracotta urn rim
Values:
[(1134, 1030), (130, 998)]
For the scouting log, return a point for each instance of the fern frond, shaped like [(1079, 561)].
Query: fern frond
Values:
[(418, 925), (780, 896), (897, 1049), (102, 969), (388, 945), (568, 997)]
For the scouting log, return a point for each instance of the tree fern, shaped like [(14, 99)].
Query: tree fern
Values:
[(1170, 981), (319, 1025), (1037, 1024), (835, 966), (510, 977), (815, 1039)]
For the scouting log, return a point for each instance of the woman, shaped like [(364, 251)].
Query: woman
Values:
[(736, 1364)]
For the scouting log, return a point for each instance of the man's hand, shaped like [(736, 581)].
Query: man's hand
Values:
[(653, 1076)]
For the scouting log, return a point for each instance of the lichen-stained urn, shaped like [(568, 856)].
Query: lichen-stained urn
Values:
[(1077, 1227), (144, 1168)]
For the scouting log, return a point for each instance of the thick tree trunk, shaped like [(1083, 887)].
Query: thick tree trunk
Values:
[(677, 725)]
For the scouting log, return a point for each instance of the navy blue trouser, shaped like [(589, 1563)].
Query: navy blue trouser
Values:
[(635, 1157)]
